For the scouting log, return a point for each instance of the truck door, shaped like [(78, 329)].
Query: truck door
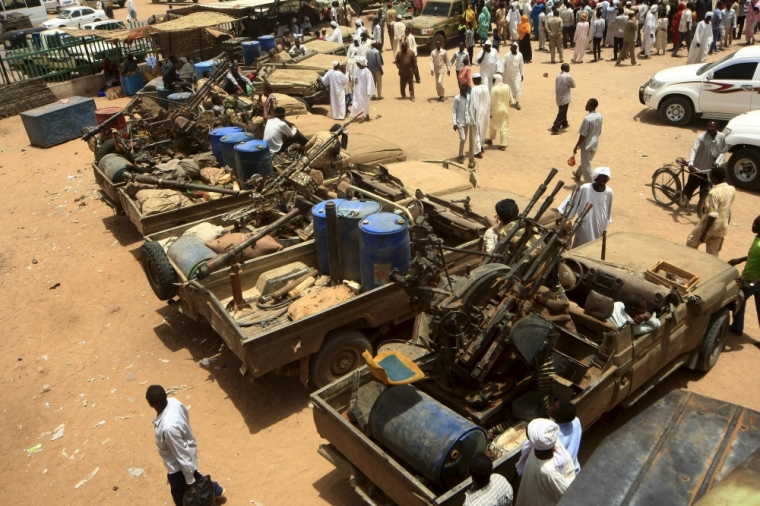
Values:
[(452, 24), (654, 350), (729, 89)]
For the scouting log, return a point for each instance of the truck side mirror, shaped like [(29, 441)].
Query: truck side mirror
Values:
[(710, 75)]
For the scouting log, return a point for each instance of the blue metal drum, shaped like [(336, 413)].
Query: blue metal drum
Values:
[(252, 157), (162, 94), (188, 253), (267, 42), (178, 97), (216, 138), (319, 221), (383, 246), (132, 84), (251, 51), (202, 67), (433, 439), (228, 143), (350, 213)]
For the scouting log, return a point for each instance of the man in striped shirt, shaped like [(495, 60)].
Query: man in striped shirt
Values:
[(487, 489)]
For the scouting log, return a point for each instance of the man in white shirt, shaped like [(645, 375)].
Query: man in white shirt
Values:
[(236, 83), (439, 65), (562, 86), (634, 310), (588, 140), (460, 116), (280, 134), (176, 443)]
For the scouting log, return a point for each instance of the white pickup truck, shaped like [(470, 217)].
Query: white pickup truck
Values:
[(743, 140), (717, 90)]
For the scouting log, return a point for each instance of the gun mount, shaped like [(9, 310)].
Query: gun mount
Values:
[(492, 349)]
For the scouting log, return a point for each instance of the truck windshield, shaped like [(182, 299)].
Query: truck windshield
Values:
[(707, 66), (439, 9)]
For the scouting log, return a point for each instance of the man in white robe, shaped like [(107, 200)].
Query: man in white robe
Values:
[(364, 89), (650, 31), (600, 216), (513, 19), (489, 62), (354, 51), (610, 16), (512, 67), (480, 110), (700, 44), (336, 80), (336, 35), (399, 34)]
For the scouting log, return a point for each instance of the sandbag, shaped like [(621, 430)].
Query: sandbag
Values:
[(319, 300), (213, 175), (264, 246), (177, 170), (206, 231), (206, 159), (160, 201)]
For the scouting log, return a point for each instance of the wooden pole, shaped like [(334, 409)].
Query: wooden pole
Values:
[(604, 244)]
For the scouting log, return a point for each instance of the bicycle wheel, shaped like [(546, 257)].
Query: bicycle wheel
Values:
[(701, 205), (665, 186)]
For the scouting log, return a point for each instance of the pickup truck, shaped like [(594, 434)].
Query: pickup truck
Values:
[(717, 90), (597, 366), (743, 140), (438, 21)]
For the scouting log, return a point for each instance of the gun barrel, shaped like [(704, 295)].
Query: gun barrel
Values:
[(223, 259), (167, 183)]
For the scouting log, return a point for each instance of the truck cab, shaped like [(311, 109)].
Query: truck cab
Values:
[(439, 20)]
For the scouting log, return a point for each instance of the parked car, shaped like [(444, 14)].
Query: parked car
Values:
[(439, 20), (57, 5), (717, 90), (74, 16), (743, 139), (105, 25), (15, 39)]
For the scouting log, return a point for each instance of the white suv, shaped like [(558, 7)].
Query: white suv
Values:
[(718, 90), (743, 139)]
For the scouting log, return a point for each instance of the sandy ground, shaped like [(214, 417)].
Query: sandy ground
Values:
[(82, 319)]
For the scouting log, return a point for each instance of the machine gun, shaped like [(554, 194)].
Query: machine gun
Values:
[(475, 320)]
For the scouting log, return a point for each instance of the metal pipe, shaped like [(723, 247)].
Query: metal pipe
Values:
[(222, 260), (167, 183), (384, 201), (237, 288), (333, 243)]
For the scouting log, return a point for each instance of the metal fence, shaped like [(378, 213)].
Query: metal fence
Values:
[(60, 57)]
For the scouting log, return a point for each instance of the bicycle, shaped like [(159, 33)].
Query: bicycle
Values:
[(668, 182)]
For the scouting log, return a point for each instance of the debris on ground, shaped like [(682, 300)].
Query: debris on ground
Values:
[(58, 432), (45, 388), (102, 422), (34, 448), (135, 471), (88, 478)]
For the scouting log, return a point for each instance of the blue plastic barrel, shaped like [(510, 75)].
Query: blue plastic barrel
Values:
[(383, 246), (251, 51), (178, 97), (216, 136), (267, 43), (433, 439), (252, 157), (202, 67), (228, 143), (188, 253), (163, 93), (350, 213), (132, 84), (319, 221)]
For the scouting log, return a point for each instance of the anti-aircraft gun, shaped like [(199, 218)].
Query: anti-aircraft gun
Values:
[(492, 348)]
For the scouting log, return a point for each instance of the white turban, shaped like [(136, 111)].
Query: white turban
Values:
[(398, 16), (708, 15), (360, 60), (335, 63), (601, 171), (653, 8), (498, 79), (333, 24), (515, 44), (183, 59), (543, 434), (358, 22), (356, 37), (488, 43), (476, 75)]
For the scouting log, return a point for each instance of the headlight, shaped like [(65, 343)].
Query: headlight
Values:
[(655, 84), (426, 31)]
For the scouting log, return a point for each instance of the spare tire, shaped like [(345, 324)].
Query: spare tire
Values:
[(341, 353), (106, 147), (159, 270)]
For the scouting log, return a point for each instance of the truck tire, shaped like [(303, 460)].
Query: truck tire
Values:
[(713, 342), (357, 7), (301, 99), (677, 111), (106, 147), (159, 270), (744, 168), (436, 38), (341, 353)]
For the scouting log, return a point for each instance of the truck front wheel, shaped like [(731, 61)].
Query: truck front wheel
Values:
[(159, 270), (341, 353), (676, 111), (713, 342), (744, 168), (357, 7)]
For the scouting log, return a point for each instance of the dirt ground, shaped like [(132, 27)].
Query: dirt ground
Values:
[(83, 321)]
